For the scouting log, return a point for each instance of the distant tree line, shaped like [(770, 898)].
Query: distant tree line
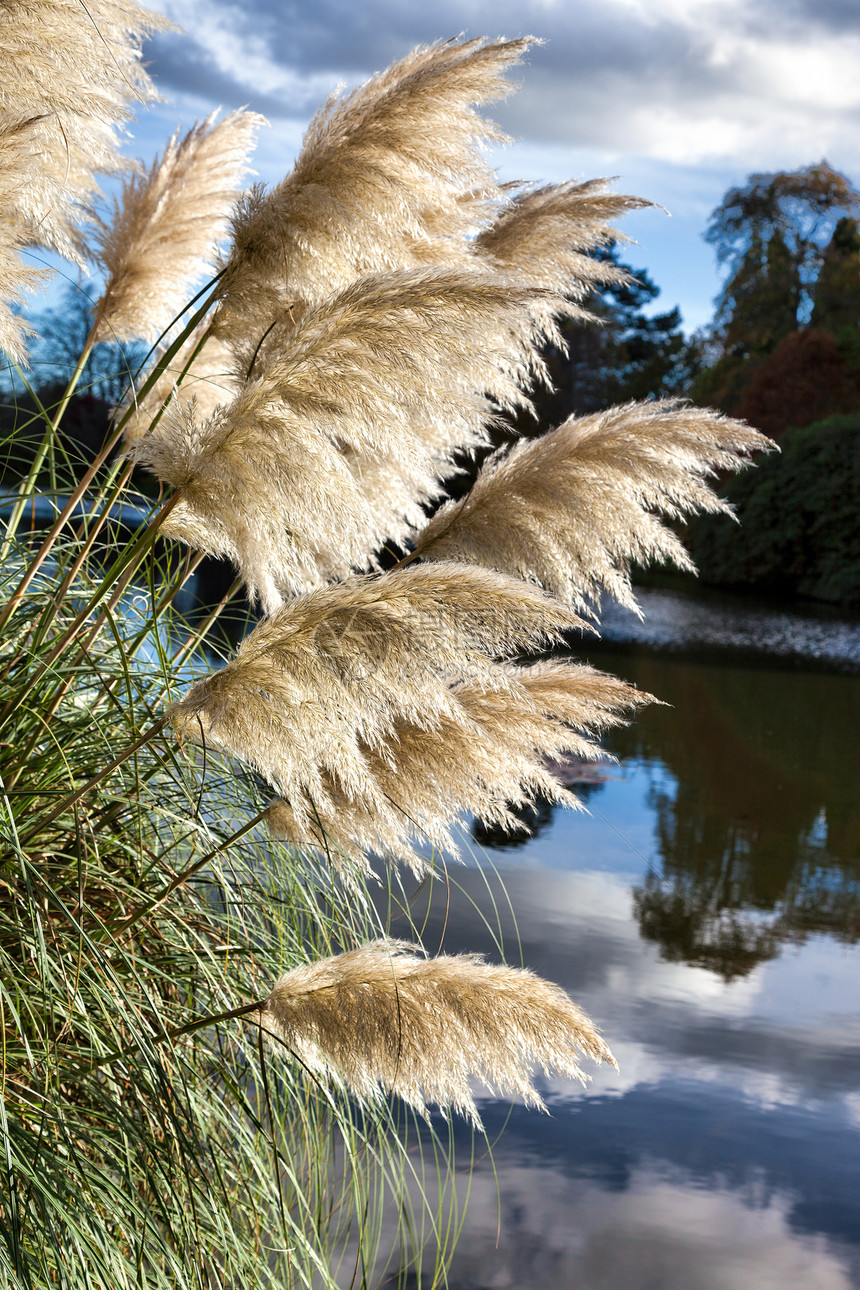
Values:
[(785, 342), (784, 354)]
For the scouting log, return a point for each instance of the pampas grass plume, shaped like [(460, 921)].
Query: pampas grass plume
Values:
[(543, 236), (16, 277), (572, 509), (199, 380), (167, 224), (389, 176), (75, 72), (268, 480), (70, 73), (490, 755), (331, 675), (384, 1020)]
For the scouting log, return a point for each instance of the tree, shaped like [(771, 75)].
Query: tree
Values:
[(790, 242), (62, 334), (797, 208), (836, 298), (760, 302), (807, 378), (630, 356), (798, 532)]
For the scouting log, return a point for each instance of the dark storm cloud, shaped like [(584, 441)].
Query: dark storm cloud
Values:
[(835, 16), (578, 84), (345, 40)]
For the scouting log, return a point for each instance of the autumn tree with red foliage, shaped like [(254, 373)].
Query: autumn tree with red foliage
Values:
[(806, 378), (791, 243)]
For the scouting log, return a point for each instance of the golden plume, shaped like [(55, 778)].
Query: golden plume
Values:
[(570, 510), (330, 677), (544, 236), (74, 71), (167, 224), (487, 757), (389, 176), (360, 374), (16, 277), (382, 1020)]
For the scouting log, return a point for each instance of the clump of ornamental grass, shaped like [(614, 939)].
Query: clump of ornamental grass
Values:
[(209, 1040)]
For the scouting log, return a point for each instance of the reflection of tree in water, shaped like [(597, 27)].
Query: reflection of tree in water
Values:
[(758, 820), (583, 778), (533, 817)]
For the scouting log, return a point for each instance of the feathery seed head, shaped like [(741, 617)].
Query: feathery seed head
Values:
[(384, 1020), (389, 176), (543, 236), (167, 224), (75, 72), (326, 682), (572, 509), (201, 371), (16, 277), (490, 755), (385, 370), (70, 72)]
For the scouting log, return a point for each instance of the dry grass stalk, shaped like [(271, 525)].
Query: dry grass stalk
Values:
[(167, 224), (390, 176), (487, 757), (375, 372), (384, 1020), (330, 677), (572, 509), (74, 71)]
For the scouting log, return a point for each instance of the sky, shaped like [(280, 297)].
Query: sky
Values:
[(681, 99)]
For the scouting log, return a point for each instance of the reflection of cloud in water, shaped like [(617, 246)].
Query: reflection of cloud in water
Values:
[(562, 1232), (787, 1032), (667, 1187), (726, 1154)]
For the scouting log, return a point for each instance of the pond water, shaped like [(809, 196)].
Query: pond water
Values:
[(706, 911)]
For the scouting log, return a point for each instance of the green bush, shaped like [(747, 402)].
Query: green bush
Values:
[(799, 532)]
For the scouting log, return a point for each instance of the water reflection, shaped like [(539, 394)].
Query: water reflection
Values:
[(736, 1109), (756, 813), (708, 621), (706, 912)]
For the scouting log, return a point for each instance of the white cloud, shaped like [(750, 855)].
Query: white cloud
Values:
[(540, 1226), (682, 98)]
